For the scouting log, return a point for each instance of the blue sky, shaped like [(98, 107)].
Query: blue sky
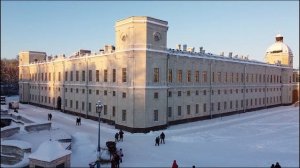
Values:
[(243, 27)]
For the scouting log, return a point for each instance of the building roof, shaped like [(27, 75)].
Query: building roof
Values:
[(49, 151), (279, 47)]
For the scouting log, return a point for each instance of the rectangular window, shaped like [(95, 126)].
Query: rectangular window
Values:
[(197, 92), (232, 77), (213, 77), (105, 92), (188, 93), (204, 92), (179, 93), (105, 75), (197, 76), (123, 95), (97, 92), (105, 109), (204, 76), (45, 76), (155, 95), (123, 115), (77, 75), (179, 75), (82, 106), (66, 76), (156, 75), (155, 115), (188, 109), (71, 104), (76, 104), (189, 76), (83, 76), (90, 75), (114, 75), (219, 106), (226, 77), (212, 106), (230, 104), (169, 111), (124, 75), (237, 77), (97, 76), (90, 107), (197, 109), (179, 110), (71, 75), (83, 91), (170, 94), (219, 77), (76, 90), (90, 91), (170, 76), (204, 107), (113, 111), (225, 105), (66, 102), (58, 76), (114, 93), (42, 76)]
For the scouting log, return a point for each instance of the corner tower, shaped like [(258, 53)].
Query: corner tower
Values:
[(279, 53)]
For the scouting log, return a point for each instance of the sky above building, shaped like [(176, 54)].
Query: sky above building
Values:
[(242, 27)]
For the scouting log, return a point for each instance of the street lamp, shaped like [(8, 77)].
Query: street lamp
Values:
[(99, 107)]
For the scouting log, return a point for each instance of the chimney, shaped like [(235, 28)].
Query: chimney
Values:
[(200, 49), (230, 55), (178, 47), (184, 47)]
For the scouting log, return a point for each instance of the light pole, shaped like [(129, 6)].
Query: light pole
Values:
[(99, 107)]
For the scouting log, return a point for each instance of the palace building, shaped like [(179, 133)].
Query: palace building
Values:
[(145, 86)]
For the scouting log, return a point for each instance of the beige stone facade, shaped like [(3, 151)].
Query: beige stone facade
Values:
[(145, 86)]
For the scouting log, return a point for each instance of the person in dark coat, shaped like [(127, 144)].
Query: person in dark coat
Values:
[(277, 165), (79, 121), (162, 138), (121, 133), (174, 165), (116, 158), (272, 166), (117, 137), (120, 153), (157, 141), (50, 116)]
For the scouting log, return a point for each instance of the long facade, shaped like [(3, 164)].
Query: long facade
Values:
[(145, 86)]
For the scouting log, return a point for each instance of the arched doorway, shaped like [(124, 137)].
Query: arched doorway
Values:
[(58, 106)]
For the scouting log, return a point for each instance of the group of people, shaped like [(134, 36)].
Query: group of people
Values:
[(78, 121), (49, 116), (117, 159), (160, 139), (119, 136), (277, 165)]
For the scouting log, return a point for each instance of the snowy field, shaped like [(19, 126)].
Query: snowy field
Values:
[(254, 139)]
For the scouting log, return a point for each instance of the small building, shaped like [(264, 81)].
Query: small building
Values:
[(50, 154)]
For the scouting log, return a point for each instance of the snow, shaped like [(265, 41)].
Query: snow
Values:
[(253, 139), (49, 151), (17, 143)]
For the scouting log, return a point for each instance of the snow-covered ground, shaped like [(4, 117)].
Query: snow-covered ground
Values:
[(254, 139)]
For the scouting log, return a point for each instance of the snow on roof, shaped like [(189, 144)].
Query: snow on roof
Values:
[(279, 47), (279, 35), (49, 151), (17, 143)]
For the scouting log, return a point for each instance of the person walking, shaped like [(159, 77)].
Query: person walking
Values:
[(120, 153), (157, 141), (50, 116), (162, 138), (117, 137), (174, 165), (79, 121), (121, 133), (277, 165)]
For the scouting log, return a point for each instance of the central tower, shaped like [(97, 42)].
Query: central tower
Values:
[(140, 32)]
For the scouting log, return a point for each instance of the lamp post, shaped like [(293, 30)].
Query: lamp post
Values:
[(99, 107)]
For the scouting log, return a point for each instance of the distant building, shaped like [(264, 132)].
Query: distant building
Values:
[(145, 86)]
